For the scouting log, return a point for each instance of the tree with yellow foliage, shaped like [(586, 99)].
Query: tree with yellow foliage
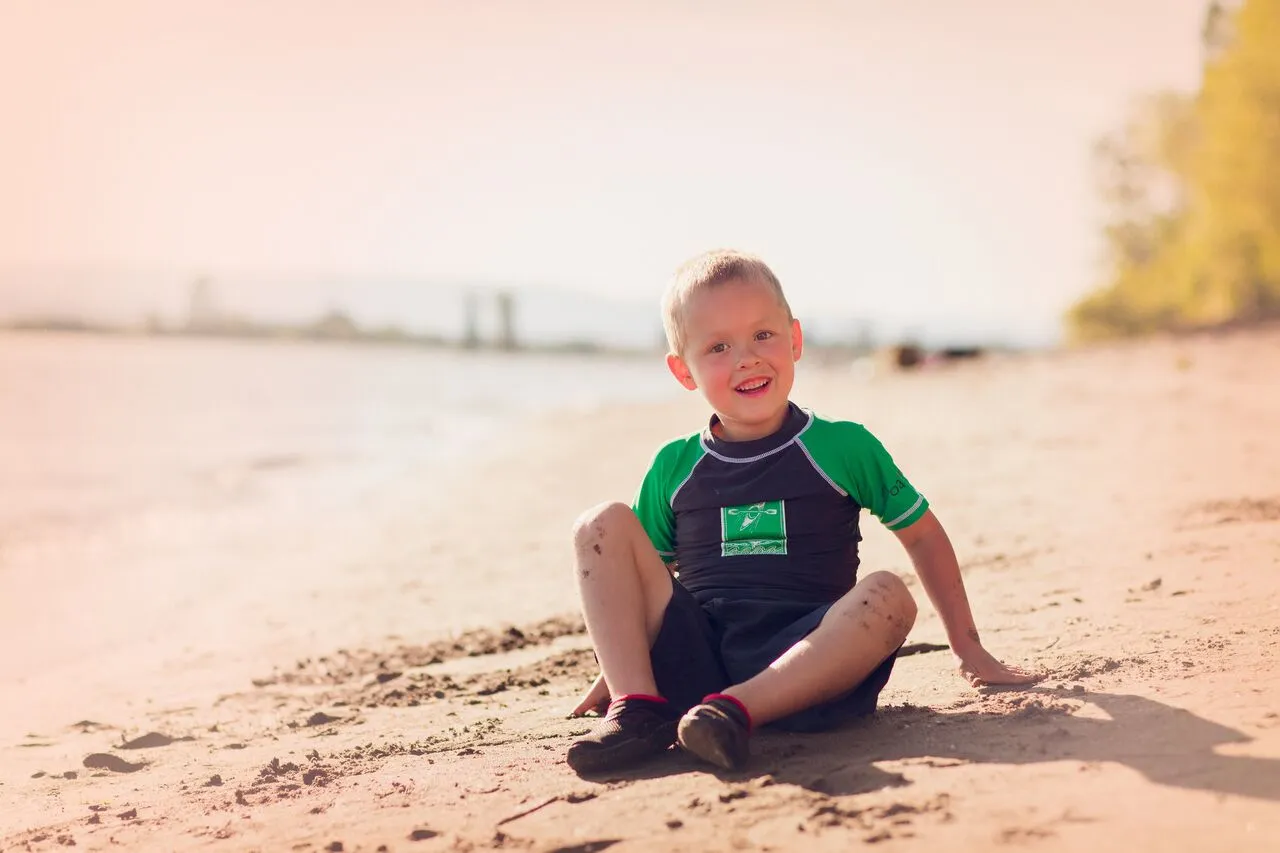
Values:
[(1192, 184)]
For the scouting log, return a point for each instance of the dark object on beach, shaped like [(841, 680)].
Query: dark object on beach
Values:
[(422, 834), (920, 649), (128, 815), (86, 726), (906, 356), (955, 353), (106, 761), (319, 718), (588, 847)]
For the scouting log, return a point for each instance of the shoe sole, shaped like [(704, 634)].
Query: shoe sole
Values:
[(699, 737)]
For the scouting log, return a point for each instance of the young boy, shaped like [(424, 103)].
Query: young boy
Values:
[(725, 597)]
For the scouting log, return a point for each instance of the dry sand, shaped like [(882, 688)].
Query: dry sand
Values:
[(1117, 512)]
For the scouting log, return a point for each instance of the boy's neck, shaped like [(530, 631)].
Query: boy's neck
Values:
[(749, 432)]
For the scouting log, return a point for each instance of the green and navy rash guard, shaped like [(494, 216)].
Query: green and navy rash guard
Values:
[(775, 518)]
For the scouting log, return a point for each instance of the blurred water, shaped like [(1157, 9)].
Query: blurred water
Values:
[(96, 431)]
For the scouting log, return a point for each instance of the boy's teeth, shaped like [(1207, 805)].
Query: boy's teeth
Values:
[(754, 385)]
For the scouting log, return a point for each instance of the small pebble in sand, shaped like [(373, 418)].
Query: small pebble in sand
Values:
[(334, 847), (214, 781), (422, 834)]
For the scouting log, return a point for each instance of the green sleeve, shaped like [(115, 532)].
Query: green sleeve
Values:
[(855, 461), (670, 468)]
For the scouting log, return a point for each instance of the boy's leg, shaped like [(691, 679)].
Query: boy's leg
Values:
[(625, 589), (856, 635), (624, 586)]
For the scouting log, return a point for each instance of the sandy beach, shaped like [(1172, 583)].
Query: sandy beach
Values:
[(1117, 514)]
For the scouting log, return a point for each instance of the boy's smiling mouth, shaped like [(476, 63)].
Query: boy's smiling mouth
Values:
[(753, 387)]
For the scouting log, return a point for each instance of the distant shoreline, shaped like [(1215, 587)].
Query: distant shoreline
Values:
[(284, 334)]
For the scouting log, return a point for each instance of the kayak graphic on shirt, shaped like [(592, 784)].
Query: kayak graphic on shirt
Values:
[(758, 528)]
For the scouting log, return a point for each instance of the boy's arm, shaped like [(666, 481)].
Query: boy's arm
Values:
[(935, 562)]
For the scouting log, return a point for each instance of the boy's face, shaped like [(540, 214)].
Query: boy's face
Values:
[(740, 350)]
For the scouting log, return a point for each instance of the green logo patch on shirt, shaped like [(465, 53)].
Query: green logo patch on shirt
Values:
[(759, 528)]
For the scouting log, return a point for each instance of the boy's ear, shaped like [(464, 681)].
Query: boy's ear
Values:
[(797, 340), (681, 371)]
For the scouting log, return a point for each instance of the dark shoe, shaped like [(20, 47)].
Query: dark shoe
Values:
[(633, 730), (717, 731)]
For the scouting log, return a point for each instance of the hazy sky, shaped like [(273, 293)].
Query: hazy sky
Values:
[(918, 160)]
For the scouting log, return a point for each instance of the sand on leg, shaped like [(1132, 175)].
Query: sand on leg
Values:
[(860, 630), (625, 587)]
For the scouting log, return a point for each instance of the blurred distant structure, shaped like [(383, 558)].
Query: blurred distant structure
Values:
[(334, 325), (1192, 188), (481, 316), (202, 310), (505, 318), (470, 320), (206, 317), (506, 305)]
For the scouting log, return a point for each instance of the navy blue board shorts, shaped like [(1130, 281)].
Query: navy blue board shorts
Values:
[(703, 647)]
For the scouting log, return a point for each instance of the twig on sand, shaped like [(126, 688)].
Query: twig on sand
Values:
[(542, 805), (572, 798)]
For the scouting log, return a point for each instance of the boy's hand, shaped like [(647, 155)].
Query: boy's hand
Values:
[(980, 669), (595, 699)]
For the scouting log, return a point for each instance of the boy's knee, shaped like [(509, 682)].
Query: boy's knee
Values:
[(889, 593), (599, 522)]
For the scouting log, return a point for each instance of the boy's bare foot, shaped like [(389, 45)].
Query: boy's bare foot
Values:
[(717, 731), (635, 728)]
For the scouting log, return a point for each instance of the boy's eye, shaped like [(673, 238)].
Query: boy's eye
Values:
[(763, 335), (718, 348)]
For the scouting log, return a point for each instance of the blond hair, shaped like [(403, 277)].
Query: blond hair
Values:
[(708, 270)]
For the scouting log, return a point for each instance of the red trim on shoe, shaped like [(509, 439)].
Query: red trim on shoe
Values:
[(735, 700), (644, 696)]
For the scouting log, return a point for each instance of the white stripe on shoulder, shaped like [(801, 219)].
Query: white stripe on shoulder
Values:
[(830, 482), (915, 506), (672, 500)]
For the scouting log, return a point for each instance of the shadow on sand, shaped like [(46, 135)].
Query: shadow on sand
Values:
[(1167, 745)]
